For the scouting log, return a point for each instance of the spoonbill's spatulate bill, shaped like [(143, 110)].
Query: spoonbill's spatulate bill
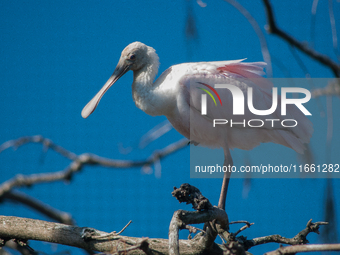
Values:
[(172, 95)]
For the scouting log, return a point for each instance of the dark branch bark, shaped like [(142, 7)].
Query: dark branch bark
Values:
[(191, 195), (274, 29), (205, 213), (300, 238)]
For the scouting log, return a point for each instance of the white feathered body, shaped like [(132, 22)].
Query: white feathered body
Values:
[(176, 95)]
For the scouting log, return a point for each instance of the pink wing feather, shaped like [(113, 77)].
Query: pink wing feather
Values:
[(246, 75)]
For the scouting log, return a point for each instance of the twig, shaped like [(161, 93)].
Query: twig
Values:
[(304, 248), (23, 250), (312, 26), (273, 29), (258, 31), (154, 133), (242, 228), (41, 207), (47, 143), (300, 238), (193, 229), (124, 227), (78, 163), (240, 221), (110, 235), (300, 63), (329, 128), (12, 228), (332, 89), (333, 27)]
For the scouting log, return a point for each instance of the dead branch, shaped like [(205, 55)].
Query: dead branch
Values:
[(111, 235), (29, 229), (191, 195), (23, 250), (12, 228), (216, 219), (205, 212), (205, 240), (305, 248), (47, 210), (78, 162), (47, 144), (272, 28), (242, 228), (332, 89), (259, 33), (81, 237), (300, 238)]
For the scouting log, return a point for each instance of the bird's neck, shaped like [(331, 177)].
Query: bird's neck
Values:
[(148, 95), (145, 76)]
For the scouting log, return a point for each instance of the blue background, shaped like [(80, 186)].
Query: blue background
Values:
[(55, 55)]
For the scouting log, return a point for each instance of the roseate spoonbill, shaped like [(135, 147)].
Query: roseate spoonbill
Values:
[(175, 95)]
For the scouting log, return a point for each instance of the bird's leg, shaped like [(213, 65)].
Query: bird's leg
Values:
[(228, 163)]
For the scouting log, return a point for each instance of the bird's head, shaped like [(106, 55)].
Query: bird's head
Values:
[(135, 57)]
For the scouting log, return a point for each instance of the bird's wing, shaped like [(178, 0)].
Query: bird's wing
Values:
[(236, 69), (200, 78)]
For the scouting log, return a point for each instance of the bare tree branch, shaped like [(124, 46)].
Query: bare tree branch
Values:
[(12, 228), (57, 215), (111, 235), (312, 26), (300, 238), (154, 133), (82, 237), (259, 33), (333, 27), (273, 29), (205, 212), (332, 89), (305, 248), (216, 219), (23, 250), (242, 228), (47, 143), (78, 162)]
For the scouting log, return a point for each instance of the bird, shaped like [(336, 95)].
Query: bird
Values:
[(177, 94)]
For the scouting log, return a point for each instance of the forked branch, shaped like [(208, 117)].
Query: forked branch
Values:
[(78, 162), (215, 218), (272, 28)]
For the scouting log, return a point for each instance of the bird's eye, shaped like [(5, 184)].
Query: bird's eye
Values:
[(132, 56)]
